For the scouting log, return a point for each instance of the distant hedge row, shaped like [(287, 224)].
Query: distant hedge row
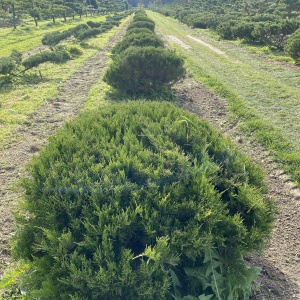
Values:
[(141, 64), (83, 31)]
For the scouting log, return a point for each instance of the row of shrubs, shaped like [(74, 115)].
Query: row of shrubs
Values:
[(141, 64), (139, 201), (60, 54), (262, 28), (83, 31)]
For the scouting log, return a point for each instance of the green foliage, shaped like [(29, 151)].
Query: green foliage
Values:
[(122, 195), (144, 70), (74, 51), (217, 279), (144, 31), (59, 55), (292, 46), (53, 38), (7, 65), (138, 40), (142, 24), (94, 24), (88, 33), (16, 56), (141, 65)]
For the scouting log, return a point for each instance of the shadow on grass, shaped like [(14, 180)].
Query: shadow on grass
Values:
[(9, 83), (167, 94), (85, 45)]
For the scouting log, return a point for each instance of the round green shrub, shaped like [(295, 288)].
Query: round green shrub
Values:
[(140, 13), (138, 40), (126, 194), (292, 47), (59, 55), (142, 19), (144, 70), (53, 38), (139, 30), (7, 65), (142, 24), (74, 50), (94, 24), (88, 33)]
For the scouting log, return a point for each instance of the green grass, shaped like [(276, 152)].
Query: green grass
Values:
[(26, 38), (264, 94), (18, 101)]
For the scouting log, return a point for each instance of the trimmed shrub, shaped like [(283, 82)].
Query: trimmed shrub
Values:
[(60, 55), (139, 40), (88, 33), (7, 65), (125, 200), (16, 56), (54, 38), (74, 50), (139, 30), (142, 19), (292, 46), (144, 70), (142, 24), (94, 24)]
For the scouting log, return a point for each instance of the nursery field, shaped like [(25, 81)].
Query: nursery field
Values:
[(251, 99)]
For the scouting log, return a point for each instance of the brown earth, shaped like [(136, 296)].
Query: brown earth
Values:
[(280, 262)]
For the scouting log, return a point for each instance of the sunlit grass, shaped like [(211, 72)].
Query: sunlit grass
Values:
[(21, 100), (26, 38), (264, 94)]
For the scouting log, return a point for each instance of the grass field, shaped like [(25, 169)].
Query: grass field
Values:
[(18, 101), (28, 37), (263, 93)]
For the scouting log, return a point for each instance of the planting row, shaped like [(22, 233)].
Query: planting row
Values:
[(11, 66), (141, 200), (141, 64)]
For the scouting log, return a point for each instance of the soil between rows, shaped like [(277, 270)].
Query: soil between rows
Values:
[(281, 260)]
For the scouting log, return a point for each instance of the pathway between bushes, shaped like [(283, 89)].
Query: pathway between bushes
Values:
[(34, 134)]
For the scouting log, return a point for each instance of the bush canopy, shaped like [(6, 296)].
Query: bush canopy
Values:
[(144, 70), (124, 199)]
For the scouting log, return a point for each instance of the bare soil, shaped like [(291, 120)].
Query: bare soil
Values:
[(33, 135), (281, 260)]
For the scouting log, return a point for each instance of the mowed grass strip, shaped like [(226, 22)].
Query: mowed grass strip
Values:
[(264, 94), (19, 101)]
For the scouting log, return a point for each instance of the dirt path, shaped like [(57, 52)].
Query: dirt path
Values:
[(34, 133), (281, 259)]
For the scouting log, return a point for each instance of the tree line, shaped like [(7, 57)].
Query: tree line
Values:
[(12, 11)]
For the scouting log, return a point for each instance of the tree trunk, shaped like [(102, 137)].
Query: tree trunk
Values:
[(35, 21), (14, 16)]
